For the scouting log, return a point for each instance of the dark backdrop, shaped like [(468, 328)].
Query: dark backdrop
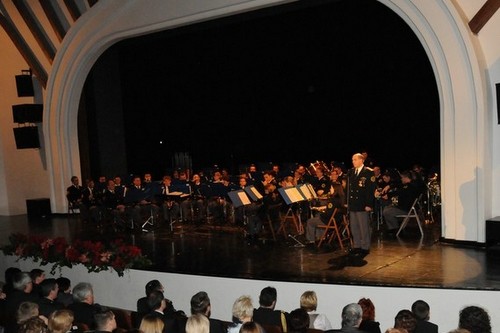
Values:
[(314, 80)]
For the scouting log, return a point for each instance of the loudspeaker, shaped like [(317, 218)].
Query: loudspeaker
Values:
[(24, 85), (498, 101), (26, 137), (27, 113), (37, 208)]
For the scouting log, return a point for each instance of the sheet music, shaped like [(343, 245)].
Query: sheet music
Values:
[(294, 194), (304, 189), (176, 193), (313, 192), (244, 198), (253, 193)]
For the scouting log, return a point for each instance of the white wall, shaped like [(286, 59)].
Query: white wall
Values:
[(23, 173), (123, 292)]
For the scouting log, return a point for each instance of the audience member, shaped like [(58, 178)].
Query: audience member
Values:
[(266, 313), (396, 330), (309, 302), (368, 322), (33, 325), (37, 276), (251, 327), (64, 295), (421, 310), (151, 324), (61, 321), (22, 287), (298, 321), (198, 323), (10, 273), (352, 314), (474, 319), (200, 304), (405, 319), (142, 303), (26, 311), (157, 303), (83, 306), (105, 322), (242, 312), (48, 293)]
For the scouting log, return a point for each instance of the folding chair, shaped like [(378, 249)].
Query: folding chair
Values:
[(342, 234), (290, 216), (412, 213)]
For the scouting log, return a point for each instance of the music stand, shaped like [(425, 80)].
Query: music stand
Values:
[(309, 193), (292, 195), (253, 193)]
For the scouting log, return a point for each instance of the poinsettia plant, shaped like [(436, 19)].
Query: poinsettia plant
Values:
[(96, 256)]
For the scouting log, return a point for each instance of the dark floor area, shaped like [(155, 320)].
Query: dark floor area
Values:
[(222, 250)]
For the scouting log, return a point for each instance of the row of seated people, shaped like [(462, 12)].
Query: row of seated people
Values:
[(189, 200), (25, 309), (199, 198)]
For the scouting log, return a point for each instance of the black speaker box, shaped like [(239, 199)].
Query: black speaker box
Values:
[(24, 85), (37, 208), (26, 137), (27, 113)]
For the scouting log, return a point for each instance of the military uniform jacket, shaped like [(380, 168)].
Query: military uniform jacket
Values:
[(361, 189)]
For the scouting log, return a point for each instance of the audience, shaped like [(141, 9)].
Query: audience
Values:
[(368, 322), (242, 313), (352, 314), (37, 276), (405, 319), (61, 321), (421, 310), (83, 307), (105, 321), (474, 319), (251, 327), (64, 295), (298, 321), (48, 293), (151, 324), (309, 302), (266, 313), (198, 323), (33, 325)]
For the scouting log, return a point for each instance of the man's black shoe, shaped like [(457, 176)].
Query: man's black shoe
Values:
[(364, 253)]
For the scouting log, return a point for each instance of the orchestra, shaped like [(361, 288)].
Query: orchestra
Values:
[(205, 199)]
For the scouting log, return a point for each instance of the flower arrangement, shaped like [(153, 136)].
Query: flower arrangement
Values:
[(95, 255)]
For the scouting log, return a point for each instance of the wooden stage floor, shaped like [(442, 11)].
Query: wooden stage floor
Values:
[(222, 251)]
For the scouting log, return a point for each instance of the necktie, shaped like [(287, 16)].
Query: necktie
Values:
[(356, 173)]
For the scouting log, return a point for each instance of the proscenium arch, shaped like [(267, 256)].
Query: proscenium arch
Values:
[(438, 25)]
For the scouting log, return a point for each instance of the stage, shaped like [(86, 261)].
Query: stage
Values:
[(221, 250)]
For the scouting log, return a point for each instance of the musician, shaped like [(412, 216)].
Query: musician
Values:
[(219, 205), (112, 201), (360, 200), (302, 176), (384, 188), (273, 205), (335, 200), (119, 187), (252, 174), (341, 175), (89, 209), (138, 201), (321, 183), (195, 204), (169, 204), (406, 195), (74, 192)]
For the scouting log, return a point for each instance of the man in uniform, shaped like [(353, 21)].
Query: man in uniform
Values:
[(360, 202)]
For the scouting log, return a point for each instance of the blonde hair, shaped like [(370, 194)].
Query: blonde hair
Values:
[(151, 324), (25, 311), (242, 307), (198, 323), (309, 301), (61, 321), (396, 330)]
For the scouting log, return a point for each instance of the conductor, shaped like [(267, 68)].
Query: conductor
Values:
[(361, 187)]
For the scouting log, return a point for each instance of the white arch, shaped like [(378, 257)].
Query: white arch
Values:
[(438, 25)]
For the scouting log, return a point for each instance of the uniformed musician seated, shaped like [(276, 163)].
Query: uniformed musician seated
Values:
[(335, 200), (138, 201), (402, 199)]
